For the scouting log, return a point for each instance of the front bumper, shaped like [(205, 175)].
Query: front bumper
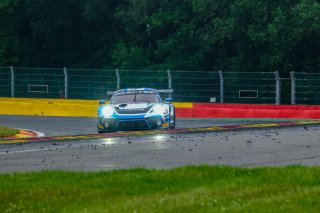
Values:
[(114, 124)]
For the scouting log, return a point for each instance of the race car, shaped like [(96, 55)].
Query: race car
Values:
[(135, 109)]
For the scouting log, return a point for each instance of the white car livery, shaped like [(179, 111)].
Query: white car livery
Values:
[(133, 109)]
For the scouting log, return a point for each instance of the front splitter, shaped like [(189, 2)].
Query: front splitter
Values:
[(156, 132)]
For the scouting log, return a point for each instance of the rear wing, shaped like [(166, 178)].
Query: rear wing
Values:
[(167, 91), (110, 92)]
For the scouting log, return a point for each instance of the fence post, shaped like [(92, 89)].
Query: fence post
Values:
[(278, 87), (118, 79), (65, 82), (293, 87), (12, 82), (221, 87), (169, 82)]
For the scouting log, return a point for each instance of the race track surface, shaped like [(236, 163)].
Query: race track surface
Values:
[(249, 148), (57, 126)]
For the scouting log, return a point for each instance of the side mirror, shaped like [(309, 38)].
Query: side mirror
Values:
[(102, 102), (168, 100)]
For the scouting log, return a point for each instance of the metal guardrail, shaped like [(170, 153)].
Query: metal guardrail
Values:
[(189, 86)]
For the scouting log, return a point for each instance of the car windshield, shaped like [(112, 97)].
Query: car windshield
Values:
[(134, 97)]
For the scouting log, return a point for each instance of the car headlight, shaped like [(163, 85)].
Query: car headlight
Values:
[(159, 109), (107, 111)]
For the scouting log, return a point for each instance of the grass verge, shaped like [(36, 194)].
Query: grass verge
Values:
[(6, 131), (186, 189)]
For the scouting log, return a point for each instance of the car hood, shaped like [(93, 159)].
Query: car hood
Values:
[(132, 108)]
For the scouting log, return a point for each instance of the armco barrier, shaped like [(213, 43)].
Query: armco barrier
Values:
[(56, 107), (48, 107), (88, 108), (249, 111)]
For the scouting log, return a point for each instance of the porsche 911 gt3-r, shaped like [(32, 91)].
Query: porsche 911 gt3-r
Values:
[(138, 108)]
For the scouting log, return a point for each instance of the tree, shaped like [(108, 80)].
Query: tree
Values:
[(14, 28), (237, 35)]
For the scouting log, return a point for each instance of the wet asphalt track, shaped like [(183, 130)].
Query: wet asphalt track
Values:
[(262, 147)]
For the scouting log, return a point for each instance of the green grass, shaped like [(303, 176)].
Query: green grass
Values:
[(5, 131), (186, 189)]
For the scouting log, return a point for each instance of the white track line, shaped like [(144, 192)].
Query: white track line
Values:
[(36, 150)]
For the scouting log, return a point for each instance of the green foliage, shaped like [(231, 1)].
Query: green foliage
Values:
[(236, 35), (6, 131), (186, 189), (129, 58)]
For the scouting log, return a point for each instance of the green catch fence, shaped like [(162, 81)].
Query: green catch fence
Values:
[(307, 88), (196, 86), (249, 87), (188, 86), (143, 79), (5, 82), (91, 84), (38, 83)]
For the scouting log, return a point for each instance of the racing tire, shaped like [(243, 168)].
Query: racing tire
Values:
[(100, 131), (105, 131)]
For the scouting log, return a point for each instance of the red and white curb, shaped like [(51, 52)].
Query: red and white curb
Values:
[(25, 133), (159, 132)]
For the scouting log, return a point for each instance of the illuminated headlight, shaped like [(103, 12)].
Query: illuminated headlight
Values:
[(107, 111), (159, 109)]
